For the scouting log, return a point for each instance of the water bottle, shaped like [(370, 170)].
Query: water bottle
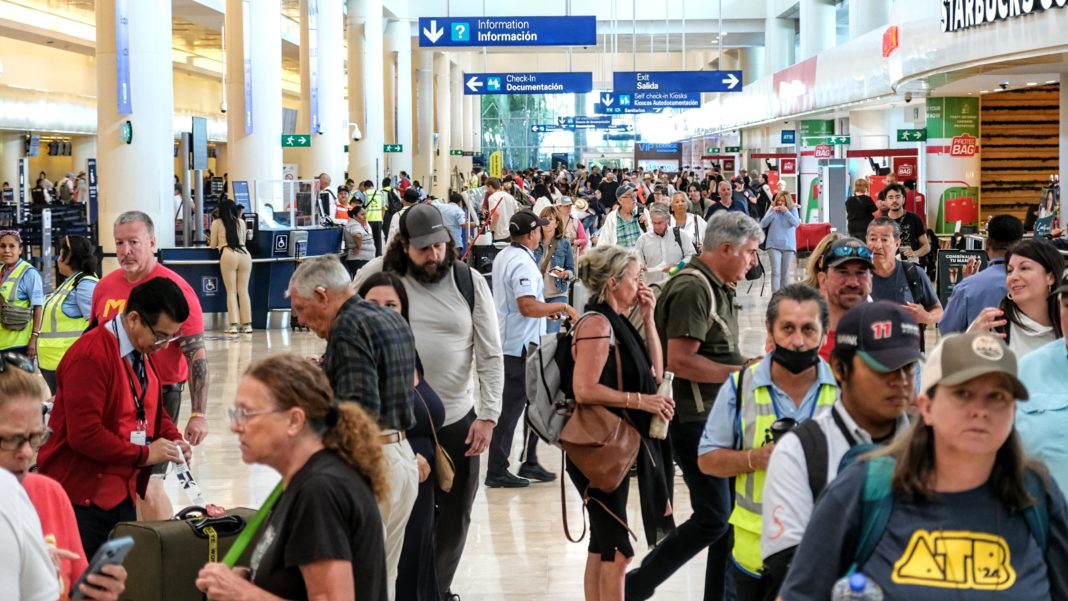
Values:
[(677, 268), (856, 587), (658, 426)]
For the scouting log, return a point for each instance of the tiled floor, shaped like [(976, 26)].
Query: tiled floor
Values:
[(516, 549)]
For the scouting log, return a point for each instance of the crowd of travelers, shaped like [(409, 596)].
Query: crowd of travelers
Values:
[(876, 434)]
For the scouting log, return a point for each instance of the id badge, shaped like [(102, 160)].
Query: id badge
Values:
[(139, 436)]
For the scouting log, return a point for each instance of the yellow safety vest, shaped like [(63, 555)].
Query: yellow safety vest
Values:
[(374, 204), (9, 290), (59, 332), (756, 415)]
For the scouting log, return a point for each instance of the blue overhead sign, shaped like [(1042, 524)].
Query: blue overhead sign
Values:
[(677, 81), (789, 136), (507, 31), (667, 100), (477, 84), (542, 128), (600, 109), (583, 122), (658, 148)]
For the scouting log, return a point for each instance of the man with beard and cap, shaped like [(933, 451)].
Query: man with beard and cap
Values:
[(764, 400), (844, 276), (454, 321)]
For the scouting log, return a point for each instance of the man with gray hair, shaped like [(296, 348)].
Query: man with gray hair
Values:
[(698, 325), (662, 246), (369, 360)]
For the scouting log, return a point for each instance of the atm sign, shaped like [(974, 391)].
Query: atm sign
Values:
[(964, 146)]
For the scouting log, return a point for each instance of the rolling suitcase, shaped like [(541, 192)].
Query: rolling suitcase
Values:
[(168, 554)]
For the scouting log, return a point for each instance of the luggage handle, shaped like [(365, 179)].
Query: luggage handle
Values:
[(227, 525)]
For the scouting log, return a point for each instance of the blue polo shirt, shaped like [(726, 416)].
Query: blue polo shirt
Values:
[(516, 274), (721, 429), (972, 295), (1041, 420)]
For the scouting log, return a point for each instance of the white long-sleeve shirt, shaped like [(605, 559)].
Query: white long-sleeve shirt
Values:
[(460, 350)]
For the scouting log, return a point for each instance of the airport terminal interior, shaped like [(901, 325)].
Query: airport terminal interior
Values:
[(304, 115)]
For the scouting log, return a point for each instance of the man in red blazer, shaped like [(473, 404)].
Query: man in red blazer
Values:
[(108, 425)]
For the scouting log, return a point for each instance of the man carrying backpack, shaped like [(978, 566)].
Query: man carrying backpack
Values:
[(874, 362), (789, 385), (454, 322)]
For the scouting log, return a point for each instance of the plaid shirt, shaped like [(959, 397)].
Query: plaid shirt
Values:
[(370, 360), (627, 232)]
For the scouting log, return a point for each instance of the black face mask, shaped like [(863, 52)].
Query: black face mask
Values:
[(795, 361)]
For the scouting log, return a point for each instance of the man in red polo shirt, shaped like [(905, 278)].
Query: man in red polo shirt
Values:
[(135, 249), (108, 424)]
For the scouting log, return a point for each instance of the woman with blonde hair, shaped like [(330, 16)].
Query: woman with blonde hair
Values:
[(860, 209), (616, 370), (324, 538), (780, 223)]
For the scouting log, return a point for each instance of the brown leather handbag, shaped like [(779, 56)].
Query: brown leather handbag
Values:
[(600, 442)]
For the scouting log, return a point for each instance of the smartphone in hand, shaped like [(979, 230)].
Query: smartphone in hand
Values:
[(113, 552)]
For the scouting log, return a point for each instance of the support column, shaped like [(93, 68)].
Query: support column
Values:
[(778, 40), (254, 70), (459, 122), (443, 104), (366, 106), (11, 146), (423, 168), (818, 23), (751, 62), (866, 15), (399, 44), (322, 109), (472, 123), (138, 175)]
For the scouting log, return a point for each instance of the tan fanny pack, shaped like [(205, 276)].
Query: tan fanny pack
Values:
[(13, 317)]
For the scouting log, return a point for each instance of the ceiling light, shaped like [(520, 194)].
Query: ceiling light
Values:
[(1032, 83), (1052, 81), (984, 91)]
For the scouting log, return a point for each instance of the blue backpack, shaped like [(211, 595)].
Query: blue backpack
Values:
[(877, 503)]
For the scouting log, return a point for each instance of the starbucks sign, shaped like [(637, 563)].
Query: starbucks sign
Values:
[(958, 15)]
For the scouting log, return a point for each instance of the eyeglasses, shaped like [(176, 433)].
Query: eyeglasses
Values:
[(240, 415), (15, 442), (778, 428), (161, 340), (16, 360), (847, 250)]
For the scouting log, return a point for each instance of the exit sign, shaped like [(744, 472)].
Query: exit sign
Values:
[(828, 140), (456, 153), (393, 148), (296, 141), (912, 135), (711, 151), (733, 149)]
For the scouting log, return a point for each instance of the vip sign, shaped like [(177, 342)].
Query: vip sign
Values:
[(964, 146), (824, 151)]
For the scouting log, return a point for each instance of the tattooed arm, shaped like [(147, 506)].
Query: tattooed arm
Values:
[(197, 358)]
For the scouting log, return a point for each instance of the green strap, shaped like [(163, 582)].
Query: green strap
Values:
[(252, 528)]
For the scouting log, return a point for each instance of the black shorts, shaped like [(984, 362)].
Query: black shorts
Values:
[(607, 534), (172, 403)]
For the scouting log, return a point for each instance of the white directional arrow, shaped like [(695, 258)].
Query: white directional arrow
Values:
[(434, 33), (302, 139), (731, 80), (473, 84), (607, 100)]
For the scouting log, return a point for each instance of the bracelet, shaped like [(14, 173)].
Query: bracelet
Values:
[(749, 460), (639, 400), (35, 333), (627, 406), (197, 414)]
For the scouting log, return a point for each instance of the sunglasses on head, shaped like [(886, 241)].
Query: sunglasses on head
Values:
[(848, 250), (16, 360)]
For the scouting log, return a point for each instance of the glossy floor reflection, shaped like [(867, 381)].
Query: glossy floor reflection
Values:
[(516, 549)]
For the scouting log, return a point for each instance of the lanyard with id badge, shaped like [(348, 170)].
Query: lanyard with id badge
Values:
[(139, 435)]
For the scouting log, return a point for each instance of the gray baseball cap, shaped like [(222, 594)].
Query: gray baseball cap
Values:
[(423, 227), (962, 357)]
